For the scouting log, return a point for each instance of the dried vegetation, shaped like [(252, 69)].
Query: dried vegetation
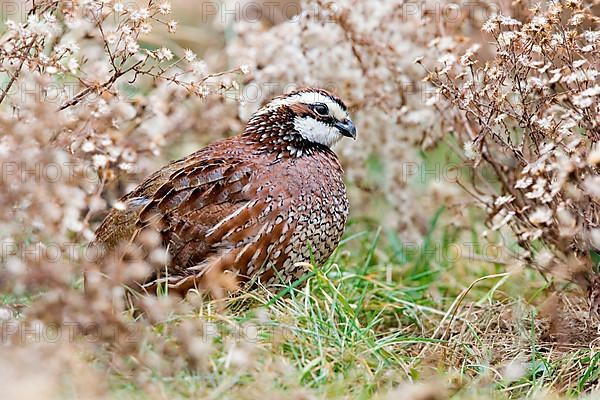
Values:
[(95, 95)]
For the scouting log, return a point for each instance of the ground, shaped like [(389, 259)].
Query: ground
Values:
[(372, 322)]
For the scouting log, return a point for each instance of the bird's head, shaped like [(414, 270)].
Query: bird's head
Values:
[(301, 122)]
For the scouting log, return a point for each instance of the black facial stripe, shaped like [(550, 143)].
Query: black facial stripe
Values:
[(328, 120)]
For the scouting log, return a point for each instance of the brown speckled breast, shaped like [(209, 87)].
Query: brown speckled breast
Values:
[(313, 219)]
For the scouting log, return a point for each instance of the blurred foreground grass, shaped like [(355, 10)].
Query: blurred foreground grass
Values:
[(376, 317), (382, 319)]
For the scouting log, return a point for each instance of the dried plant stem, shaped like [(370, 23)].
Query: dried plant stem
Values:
[(15, 74)]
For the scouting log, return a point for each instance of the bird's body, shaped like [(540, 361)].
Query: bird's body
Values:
[(255, 204)]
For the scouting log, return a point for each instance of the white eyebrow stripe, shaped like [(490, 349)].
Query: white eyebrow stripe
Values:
[(308, 98)]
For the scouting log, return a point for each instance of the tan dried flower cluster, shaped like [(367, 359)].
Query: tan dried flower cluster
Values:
[(86, 102), (77, 75), (530, 117)]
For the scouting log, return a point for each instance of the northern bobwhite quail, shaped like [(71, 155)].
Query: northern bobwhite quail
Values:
[(254, 204)]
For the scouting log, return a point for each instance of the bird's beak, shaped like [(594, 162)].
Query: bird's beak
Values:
[(346, 128)]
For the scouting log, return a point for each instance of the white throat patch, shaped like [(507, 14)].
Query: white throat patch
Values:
[(316, 131)]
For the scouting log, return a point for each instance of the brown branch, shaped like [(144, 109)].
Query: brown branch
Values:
[(77, 98), (15, 75)]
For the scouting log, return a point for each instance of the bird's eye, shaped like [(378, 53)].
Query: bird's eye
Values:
[(321, 109)]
